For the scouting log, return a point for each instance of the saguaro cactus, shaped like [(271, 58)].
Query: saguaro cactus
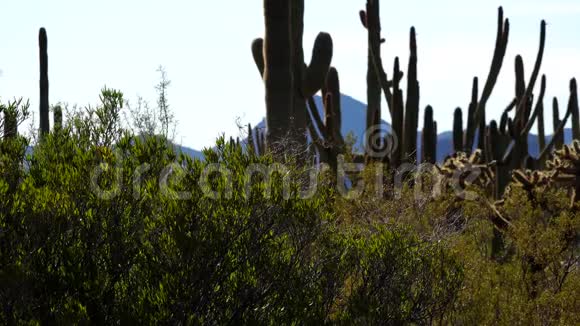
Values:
[(412, 105), (42, 42), (288, 81), (370, 19), (574, 107), (429, 135), (458, 130)]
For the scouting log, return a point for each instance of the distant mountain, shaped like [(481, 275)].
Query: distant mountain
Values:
[(189, 151), (354, 123), (354, 119)]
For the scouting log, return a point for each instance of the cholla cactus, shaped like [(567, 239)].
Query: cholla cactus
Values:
[(529, 179), (464, 170), (565, 166)]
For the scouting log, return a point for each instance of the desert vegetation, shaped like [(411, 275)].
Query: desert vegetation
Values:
[(104, 221)]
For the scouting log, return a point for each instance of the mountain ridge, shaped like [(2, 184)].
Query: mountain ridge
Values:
[(354, 123)]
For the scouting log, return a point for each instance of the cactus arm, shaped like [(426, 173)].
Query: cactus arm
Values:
[(258, 55), (319, 64), (541, 128), (555, 123), (539, 107), (471, 121), (496, 64), (397, 117), (520, 77), (520, 110), (559, 130)]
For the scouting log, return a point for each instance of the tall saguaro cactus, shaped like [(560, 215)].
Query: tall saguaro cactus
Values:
[(458, 130), (42, 43), (370, 19), (277, 69), (429, 135), (289, 82), (412, 105)]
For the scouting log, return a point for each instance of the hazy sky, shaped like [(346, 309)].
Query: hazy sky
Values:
[(205, 49)]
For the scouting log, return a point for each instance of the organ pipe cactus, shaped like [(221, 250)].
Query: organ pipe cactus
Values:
[(559, 129), (44, 115), (524, 118), (400, 120), (496, 64)]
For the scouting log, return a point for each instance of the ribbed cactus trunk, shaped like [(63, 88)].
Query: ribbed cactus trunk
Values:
[(541, 129), (277, 71), (458, 130), (397, 119), (299, 101), (333, 118), (412, 105), (557, 134), (332, 114), (497, 143), (574, 107), (471, 119), (44, 115), (373, 26), (429, 138)]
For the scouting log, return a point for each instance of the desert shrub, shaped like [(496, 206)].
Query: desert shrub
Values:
[(101, 226)]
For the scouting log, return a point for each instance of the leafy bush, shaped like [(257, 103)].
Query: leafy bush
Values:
[(101, 226)]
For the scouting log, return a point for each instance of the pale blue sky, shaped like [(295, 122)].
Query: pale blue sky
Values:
[(205, 49)]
